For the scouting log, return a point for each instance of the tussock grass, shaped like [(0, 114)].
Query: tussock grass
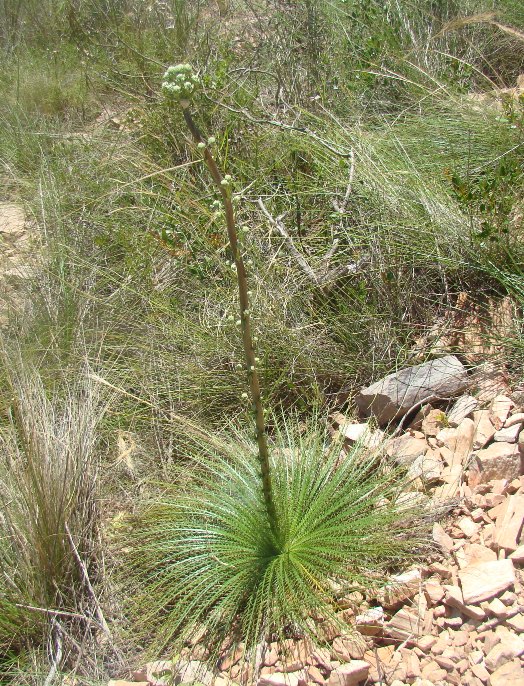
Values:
[(205, 561), (48, 527)]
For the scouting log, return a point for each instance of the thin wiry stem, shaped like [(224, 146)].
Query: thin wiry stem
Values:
[(245, 320)]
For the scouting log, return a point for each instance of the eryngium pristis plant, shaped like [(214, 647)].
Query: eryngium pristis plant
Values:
[(206, 563)]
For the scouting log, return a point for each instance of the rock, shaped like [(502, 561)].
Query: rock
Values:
[(474, 554), (509, 523), (497, 609), (321, 657), (404, 625), (484, 429), (499, 410), (370, 622), (157, 673), (458, 440), (510, 674), (468, 526), (518, 555), (358, 433), (514, 419), (278, 679), (406, 448), (351, 674), (508, 434), (441, 538), (486, 580), (434, 591), (234, 656), (516, 623), (462, 408), (454, 598), (395, 394), (188, 673), (315, 675), (480, 671), (400, 588), (426, 467), (497, 461), (346, 649), (433, 422), (433, 672), (509, 647)]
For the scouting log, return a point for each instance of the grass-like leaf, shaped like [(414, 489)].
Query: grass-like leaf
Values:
[(207, 563)]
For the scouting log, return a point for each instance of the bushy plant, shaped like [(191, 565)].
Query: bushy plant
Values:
[(207, 563)]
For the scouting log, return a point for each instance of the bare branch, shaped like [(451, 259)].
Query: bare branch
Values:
[(83, 569), (279, 226)]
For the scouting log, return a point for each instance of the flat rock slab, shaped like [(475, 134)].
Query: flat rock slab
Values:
[(394, 395), (486, 580)]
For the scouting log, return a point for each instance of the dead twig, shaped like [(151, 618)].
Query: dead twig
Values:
[(326, 274), (56, 631), (83, 569), (279, 226)]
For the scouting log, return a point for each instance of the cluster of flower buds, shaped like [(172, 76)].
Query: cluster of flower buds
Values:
[(180, 82)]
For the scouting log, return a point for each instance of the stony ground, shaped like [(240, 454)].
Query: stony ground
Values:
[(456, 620)]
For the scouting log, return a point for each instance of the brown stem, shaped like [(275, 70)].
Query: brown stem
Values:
[(245, 320)]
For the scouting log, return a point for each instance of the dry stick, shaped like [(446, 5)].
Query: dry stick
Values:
[(277, 223), (56, 631), (245, 320), (83, 568), (327, 275)]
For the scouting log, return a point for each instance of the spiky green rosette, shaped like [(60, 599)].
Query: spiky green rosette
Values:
[(206, 563)]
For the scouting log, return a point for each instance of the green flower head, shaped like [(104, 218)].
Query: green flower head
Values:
[(179, 82)]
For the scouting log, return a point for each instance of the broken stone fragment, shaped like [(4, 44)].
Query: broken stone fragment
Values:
[(510, 674), (427, 467), (462, 408), (499, 410), (350, 674), (509, 523), (458, 440), (358, 433), (509, 647), (400, 588), (509, 434), (484, 429), (441, 538), (278, 679), (433, 422), (406, 448), (370, 622), (486, 580), (497, 461), (404, 625), (394, 395)]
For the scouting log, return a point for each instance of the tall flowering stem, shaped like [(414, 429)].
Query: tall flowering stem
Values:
[(179, 85)]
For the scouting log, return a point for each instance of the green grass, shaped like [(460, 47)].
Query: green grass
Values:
[(204, 559)]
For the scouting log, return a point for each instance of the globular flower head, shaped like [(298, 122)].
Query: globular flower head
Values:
[(180, 82)]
